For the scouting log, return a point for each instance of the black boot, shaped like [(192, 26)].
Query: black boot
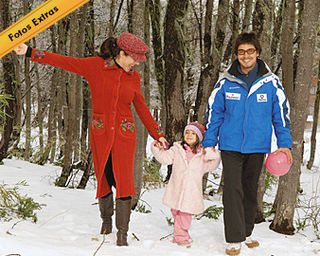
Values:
[(123, 211), (106, 212)]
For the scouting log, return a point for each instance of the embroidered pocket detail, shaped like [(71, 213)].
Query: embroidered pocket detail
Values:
[(39, 54), (127, 125), (97, 123)]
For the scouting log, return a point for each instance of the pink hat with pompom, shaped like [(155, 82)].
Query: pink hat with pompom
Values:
[(196, 127)]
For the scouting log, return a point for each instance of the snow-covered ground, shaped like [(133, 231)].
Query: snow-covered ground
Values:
[(69, 223)]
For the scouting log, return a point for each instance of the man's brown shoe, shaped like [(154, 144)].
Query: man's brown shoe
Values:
[(251, 243), (233, 249)]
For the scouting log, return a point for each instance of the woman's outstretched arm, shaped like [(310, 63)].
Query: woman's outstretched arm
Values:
[(80, 66)]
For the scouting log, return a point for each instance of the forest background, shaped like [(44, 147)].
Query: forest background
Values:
[(190, 46)]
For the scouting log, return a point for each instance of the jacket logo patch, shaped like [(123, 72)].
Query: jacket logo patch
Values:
[(262, 97), (233, 96)]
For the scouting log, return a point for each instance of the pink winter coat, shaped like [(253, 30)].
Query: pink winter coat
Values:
[(184, 190)]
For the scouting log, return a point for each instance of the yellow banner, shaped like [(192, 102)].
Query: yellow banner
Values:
[(35, 22)]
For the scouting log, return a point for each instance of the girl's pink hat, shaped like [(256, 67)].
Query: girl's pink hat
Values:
[(196, 127)]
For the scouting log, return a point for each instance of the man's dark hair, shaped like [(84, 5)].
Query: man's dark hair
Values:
[(247, 38)]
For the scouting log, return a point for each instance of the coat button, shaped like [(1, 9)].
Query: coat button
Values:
[(112, 128)]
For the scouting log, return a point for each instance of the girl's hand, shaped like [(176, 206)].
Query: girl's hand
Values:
[(211, 148), (210, 153), (158, 145), (287, 151), (21, 49), (164, 142)]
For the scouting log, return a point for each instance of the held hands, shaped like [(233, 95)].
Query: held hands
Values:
[(162, 143), (210, 153), (21, 49), (287, 151)]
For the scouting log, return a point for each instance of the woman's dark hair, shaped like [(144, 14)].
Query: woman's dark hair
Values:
[(247, 38), (109, 48)]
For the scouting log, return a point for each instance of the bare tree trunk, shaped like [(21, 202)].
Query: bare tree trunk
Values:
[(174, 57), (313, 139), (235, 32), (71, 109), (87, 172), (287, 47), (130, 4), (82, 16), (155, 17), (260, 193), (297, 40), (17, 126), (247, 15), (112, 9), (288, 184), (287, 58), (62, 77), (210, 74), (262, 22), (138, 28), (276, 36), (40, 106), (52, 120), (27, 152), (9, 84), (86, 100)]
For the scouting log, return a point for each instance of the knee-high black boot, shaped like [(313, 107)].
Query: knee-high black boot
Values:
[(106, 212), (123, 211)]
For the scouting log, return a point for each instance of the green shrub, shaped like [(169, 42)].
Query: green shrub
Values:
[(212, 212), (142, 206), (151, 171), (14, 205)]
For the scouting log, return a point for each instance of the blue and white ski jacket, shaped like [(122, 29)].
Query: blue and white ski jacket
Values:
[(242, 119)]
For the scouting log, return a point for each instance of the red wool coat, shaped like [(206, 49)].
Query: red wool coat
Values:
[(112, 127)]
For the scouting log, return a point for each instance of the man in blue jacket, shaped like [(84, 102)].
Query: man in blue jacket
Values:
[(245, 106)]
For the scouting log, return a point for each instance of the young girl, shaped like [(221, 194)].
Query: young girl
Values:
[(184, 190)]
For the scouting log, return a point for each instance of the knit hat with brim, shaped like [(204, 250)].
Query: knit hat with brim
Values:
[(196, 127), (133, 46)]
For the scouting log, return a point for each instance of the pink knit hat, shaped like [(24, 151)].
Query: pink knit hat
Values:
[(196, 127), (133, 46)]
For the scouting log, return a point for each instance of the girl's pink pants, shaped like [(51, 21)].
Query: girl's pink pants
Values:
[(182, 223)]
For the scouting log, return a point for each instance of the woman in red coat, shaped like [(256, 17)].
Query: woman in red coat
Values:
[(114, 86)]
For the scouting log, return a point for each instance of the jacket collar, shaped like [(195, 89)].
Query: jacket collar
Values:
[(263, 69), (110, 64), (182, 150), (232, 72)]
